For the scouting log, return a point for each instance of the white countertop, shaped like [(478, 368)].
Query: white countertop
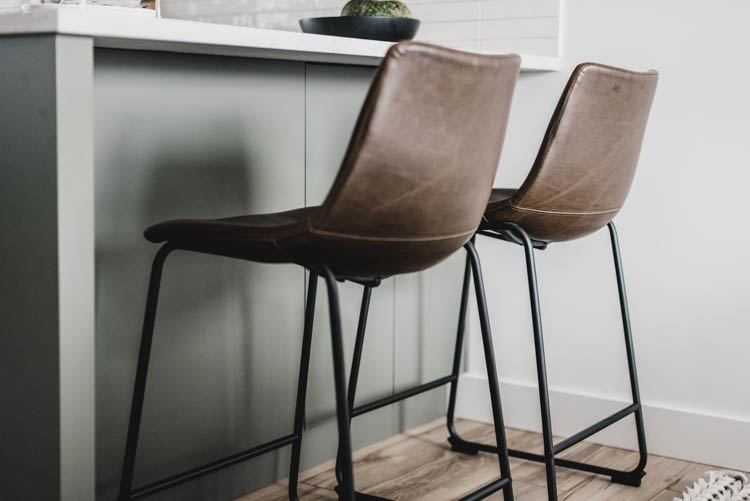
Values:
[(139, 29)]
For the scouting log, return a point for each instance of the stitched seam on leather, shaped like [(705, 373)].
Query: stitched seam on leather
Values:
[(564, 213), (347, 236)]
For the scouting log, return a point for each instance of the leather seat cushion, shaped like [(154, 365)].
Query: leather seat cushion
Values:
[(255, 237)]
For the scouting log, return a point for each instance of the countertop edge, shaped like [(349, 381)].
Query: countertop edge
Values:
[(140, 30)]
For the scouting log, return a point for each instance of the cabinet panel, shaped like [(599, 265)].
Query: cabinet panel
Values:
[(426, 318), (195, 136)]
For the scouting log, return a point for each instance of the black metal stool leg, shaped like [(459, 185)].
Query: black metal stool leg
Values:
[(504, 481), (304, 366), (541, 365), (454, 439), (489, 356), (633, 477), (356, 360), (346, 491), (139, 389), (126, 491), (548, 458), (515, 233)]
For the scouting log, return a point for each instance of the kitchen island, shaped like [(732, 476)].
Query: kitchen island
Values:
[(113, 121)]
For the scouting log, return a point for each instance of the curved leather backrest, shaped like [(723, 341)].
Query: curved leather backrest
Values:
[(422, 159), (590, 152)]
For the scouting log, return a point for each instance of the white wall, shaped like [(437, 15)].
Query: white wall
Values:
[(683, 233), (526, 26)]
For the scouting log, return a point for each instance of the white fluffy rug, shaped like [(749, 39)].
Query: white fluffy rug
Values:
[(718, 486)]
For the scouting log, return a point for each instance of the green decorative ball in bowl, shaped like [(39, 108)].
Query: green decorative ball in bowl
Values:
[(388, 20), (384, 8)]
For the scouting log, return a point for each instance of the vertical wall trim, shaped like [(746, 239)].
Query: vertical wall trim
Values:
[(75, 220)]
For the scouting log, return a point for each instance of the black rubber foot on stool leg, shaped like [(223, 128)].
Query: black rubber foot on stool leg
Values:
[(458, 445), (631, 478)]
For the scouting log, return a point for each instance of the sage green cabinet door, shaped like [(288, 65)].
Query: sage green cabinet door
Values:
[(196, 136), (334, 97), (426, 318)]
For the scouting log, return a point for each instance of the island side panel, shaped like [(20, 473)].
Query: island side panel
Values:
[(46, 209), (28, 256), (334, 97), (180, 136)]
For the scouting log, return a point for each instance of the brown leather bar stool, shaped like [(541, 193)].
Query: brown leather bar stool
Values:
[(411, 190), (578, 183)]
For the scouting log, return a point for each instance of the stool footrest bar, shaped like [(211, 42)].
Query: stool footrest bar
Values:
[(397, 397), (486, 490), (632, 478), (361, 496), (219, 464), (595, 428), (480, 493)]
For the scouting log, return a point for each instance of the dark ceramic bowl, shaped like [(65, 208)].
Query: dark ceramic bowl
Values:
[(390, 29)]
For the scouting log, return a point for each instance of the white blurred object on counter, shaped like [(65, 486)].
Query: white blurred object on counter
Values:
[(117, 3), (143, 5), (136, 4)]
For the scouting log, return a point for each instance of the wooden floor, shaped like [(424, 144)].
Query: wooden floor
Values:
[(419, 465)]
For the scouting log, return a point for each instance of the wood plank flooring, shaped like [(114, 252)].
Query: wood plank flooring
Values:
[(419, 465)]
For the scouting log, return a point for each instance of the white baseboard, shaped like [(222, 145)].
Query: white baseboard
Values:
[(683, 434)]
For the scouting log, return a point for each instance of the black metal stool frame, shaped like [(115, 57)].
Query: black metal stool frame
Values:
[(295, 439), (473, 267), (514, 233), (344, 403)]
